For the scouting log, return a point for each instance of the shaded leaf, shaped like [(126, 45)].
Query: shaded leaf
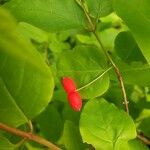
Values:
[(136, 73), (143, 126), (26, 81), (69, 114), (136, 16), (5, 144), (30, 147), (71, 137), (50, 123), (127, 48), (134, 144), (137, 145)]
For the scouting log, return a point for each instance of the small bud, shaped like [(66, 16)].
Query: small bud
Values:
[(75, 101), (68, 84)]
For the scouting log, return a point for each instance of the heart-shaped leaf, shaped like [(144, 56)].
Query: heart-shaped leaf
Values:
[(104, 126), (84, 64)]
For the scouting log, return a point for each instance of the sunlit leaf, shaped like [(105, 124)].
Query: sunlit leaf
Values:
[(51, 15), (84, 64), (105, 126), (26, 81)]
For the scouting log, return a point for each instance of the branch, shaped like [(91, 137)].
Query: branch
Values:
[(117, 71), (144, 139), (29, 136)]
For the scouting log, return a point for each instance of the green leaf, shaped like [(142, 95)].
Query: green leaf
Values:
[(136, 16), (99, 8), (71, 137), (63, 106), (57, 45), (26, 82), (143, 126), (135, 69), (69, 114), (84, 64), (5, 144), (114, 94), (51, 15), (127, 48), (137, 145), (134, 144), (38, 37), (138, 70), (8, 107), (105, 126), (28, 146), (32, 32), (11, 42), (108, 28), (50, 123)]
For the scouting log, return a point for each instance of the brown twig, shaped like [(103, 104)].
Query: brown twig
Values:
[(29, 136), (144, 139), (117, 71)]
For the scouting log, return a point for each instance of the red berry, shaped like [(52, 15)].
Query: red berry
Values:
[(75, 101), (68, 84)]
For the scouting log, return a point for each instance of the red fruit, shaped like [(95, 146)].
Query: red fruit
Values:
[(75, 101), (68, 84)]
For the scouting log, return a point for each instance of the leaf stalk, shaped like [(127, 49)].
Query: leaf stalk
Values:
[(100, 76)]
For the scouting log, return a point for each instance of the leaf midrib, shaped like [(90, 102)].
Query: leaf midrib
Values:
[(13, 100)]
